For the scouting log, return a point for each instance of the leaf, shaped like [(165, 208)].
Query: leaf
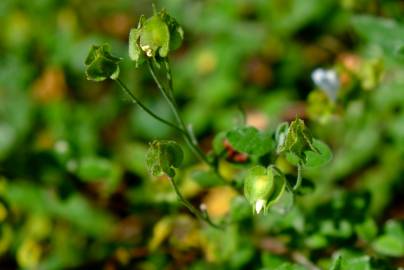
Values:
[(394, 228), (101, 64), (337, 263), (163, 156), (134, 50), (385, 32), (292, 158), (316, 241), (218, 143), (280, 135), (319, 158), (367, 230), (346, 260), (251, 141), (389, 245), (176, 31), (271, 261), (93, 168)]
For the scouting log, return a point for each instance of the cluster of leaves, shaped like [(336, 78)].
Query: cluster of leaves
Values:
[(74, 189)]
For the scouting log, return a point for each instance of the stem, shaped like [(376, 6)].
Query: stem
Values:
[(147, 110), (170, 80), (168, 94), (188, 138), (299, 177), (203, 216)]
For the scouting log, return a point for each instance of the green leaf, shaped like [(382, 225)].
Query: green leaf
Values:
[(316, 241), (385, 32), (389, 245), (176, 31), (94, 168), (218, 143), (292, 158), (251, 141), (163, 156), (134, 50), (391, 242), (271, 261), (320, 157), (280, 135), (337, 263), (101, 65), (394, 228), (367, 230), (347, 260)]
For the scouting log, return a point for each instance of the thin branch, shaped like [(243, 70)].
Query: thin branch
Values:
[(201, 215), (188, 138), (147, 110), (299, 177)]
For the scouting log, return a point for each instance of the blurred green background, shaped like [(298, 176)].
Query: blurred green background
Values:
[(74, 190)]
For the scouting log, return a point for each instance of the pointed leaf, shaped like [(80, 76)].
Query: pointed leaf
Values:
[(320, 157), (389, 245)]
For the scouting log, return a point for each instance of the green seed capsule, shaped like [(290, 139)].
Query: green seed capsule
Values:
[(154, 37), (258, 187), (263, 187)]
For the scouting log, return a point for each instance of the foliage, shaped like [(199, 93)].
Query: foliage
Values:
[(248, 135)]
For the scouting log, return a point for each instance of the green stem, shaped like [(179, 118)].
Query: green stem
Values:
[(191, 208), (147, 110), (299, 177), (188, 138), (170, 80)]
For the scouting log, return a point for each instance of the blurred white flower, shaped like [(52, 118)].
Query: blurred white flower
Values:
[(259, 204), (327, 80)]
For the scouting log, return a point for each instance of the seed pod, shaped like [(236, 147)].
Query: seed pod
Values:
[(263, 187), (296, 140), (101, 64), (154, 37)]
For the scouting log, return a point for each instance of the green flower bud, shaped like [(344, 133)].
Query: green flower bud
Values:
[(101, 65), (263, 187), (154, 37)]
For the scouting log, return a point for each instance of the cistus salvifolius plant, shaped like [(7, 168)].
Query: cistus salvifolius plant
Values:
[(262, 182)]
